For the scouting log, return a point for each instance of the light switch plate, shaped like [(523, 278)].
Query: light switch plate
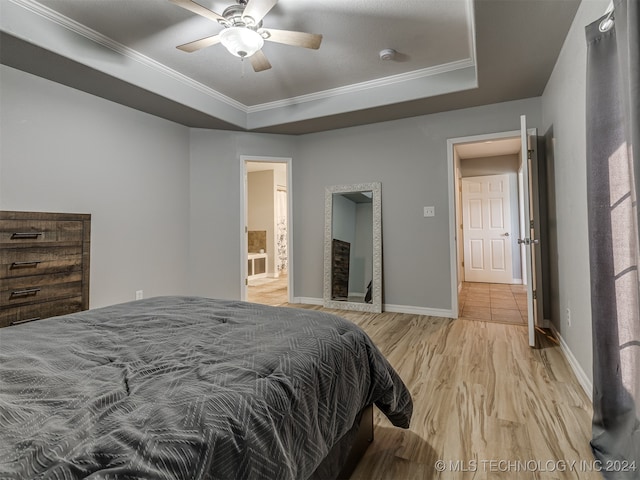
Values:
[(429, 211)]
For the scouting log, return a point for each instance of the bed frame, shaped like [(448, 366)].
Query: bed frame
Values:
[(345, 455)]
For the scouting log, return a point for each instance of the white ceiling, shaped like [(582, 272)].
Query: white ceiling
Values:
[(451, 54)]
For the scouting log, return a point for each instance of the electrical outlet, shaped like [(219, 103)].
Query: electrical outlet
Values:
[(139, 294), (568, 316), (429, 211)]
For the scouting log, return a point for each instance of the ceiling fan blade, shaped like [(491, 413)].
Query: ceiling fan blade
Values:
[(297, 39), (257, 9), (259, 61), (199, 44), (199, 9)]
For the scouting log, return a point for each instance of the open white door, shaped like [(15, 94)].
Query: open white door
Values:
[(528, 238)]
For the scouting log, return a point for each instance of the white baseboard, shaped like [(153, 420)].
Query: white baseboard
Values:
[(580, 374), (433, 312), (308, 300)]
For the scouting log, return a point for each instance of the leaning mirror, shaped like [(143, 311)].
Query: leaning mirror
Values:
[(353, 247)]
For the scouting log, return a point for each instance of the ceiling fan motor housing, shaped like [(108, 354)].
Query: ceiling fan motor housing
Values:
[(233, 17)]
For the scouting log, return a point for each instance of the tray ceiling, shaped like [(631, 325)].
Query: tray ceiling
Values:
[(450, 54)]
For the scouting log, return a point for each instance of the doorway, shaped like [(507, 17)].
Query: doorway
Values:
[(266, 259), (506, 153), (488, 209)]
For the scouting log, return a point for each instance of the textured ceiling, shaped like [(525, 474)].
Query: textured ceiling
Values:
[(451, 54)]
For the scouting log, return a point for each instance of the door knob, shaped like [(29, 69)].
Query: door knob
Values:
[(528, 241), (505, 234)]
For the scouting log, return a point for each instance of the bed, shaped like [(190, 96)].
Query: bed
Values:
[(190, 388)]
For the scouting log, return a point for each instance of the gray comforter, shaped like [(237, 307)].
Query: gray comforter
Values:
[(186, 388)]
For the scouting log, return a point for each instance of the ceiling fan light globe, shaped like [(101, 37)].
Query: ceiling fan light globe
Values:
[(240, 41)]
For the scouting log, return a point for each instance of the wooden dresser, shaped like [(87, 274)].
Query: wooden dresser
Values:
[(44, 265)]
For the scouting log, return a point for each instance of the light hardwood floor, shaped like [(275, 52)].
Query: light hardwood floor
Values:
[(485, 403), (268, 291)]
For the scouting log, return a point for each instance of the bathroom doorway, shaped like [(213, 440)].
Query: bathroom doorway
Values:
[(266, 261)]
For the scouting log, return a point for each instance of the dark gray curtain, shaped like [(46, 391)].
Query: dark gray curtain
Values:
[(613, 150)]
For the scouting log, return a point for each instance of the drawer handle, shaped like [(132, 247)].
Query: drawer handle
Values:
[(26, 292), (25, 264), (26, 235), (18, 322)]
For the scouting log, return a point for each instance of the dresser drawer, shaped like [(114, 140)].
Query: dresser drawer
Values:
[(26, 313), (20, 262), (38, 288), (44, 264), (29, 232)]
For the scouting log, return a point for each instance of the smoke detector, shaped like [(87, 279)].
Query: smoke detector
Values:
[(387, 54)]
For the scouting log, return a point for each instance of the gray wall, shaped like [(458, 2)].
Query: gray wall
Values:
[(343, 219), (477, 167), (68, 151), (409, 158), (166, 200), (215, 167), (362, 260), (563, 117)]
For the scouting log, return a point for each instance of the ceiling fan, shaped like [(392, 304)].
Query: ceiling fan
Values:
[(243, 34)]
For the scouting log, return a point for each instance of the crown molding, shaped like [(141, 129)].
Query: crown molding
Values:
[(76, 27), (359, 87)]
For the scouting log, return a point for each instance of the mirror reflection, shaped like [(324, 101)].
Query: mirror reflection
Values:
[(352, 247)]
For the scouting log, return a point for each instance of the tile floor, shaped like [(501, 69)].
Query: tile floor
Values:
[(493, 302)]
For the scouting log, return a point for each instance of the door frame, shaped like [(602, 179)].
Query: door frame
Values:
[(454, 207), (244, 219)]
